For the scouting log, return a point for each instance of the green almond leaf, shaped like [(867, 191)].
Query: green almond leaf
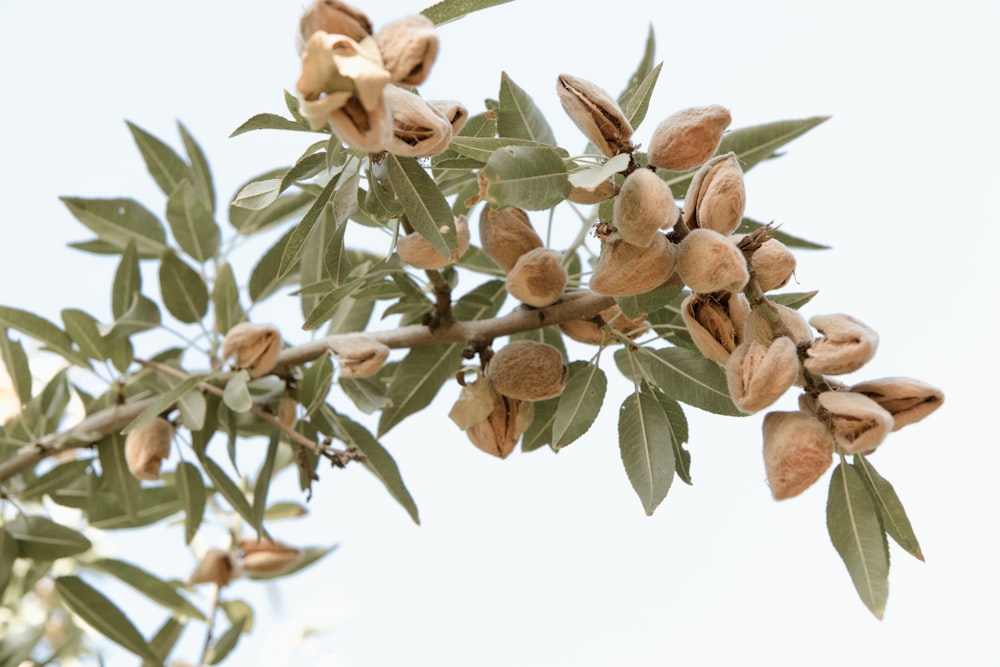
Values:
[(269, 121), (39, 538), (539, 432), (201, 174), (296, 242), (748, 225), (315, 385), (193, 408), (637, 104), (889, 507), (853, 523), (39, 328), (127, 284), (450, 10), (164, 165), (101, 613), (377, 460), (259, 194), (646, 450), (309, 556), (165, 639), (116, 476), (118, 221), (312, 264), (678, 429), (481, 148), (226, 299), (122, 352), (228, 488), (8, 554), (165, 401), (642, 70), (16, 362), (285, 510), (236, 395), (579, 403), (183, 289), (191, 491), (526, 176), (142, 315), (755, 144), (329, 304), (793, 299), (263, 484), (285, 207), (192, 223), (307, 167), (264, 278), (149, 585), (155, 504), (83, 329), (424, 205), (519, 117), (292, 104), (687, 376), (225, 644), (367, 394), (56, 479)]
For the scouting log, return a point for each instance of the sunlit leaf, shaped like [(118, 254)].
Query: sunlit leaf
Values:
[(192, 223), (889, 507), (646, 450), (149, 585), (258, 195), (579, 404), (101, 613), (44, 539), (526, 176), (519, 117), (183, 289)]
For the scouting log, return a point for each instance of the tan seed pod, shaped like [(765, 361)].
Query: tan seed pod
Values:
[(503, 427), (288, 409), (592, 331), (798, 449), (527, 370), (336, 69), (537, 278), (146, 446), (596, 114), (625, 269), (506, 235), (773, 263), (602, 192), (254, 346), (759, 374), (418, 128), (334, 17), (907, 400), (688, 137), (409, 47), (716, 197), (715, 323), (846, 345), (790, 323), (267, 557), (216, 567), (709, 262), (858, 423), (358, 355), (644, 206), (453, 112), (475, 401), (418, 252)]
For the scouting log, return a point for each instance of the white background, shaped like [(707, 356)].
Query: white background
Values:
[(549, 560)]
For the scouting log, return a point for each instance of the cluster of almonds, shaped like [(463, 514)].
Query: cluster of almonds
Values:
[(357, 81), (254, 557)]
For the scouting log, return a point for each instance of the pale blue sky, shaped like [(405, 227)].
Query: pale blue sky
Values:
[(549, 560)]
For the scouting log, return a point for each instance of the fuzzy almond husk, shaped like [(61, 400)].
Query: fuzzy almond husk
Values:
[(537, 278), (625, 269), (595, 113), (334, 17), (528, 370), (858, 423), (602, 192), (454, 112), (798, 449), (266, 556), (418, 128), (688, 137), (254, 346), (773, 263), (409, 47), (717, 196), (758, 374), (846, 345), (359, 356), (644, 206), (790, 323), (418, 252), (709, 262), (592, 331), (906, 399), (506, 235), (715, 323), (288, 410), (147, 446), (503, 427), (216, 567)]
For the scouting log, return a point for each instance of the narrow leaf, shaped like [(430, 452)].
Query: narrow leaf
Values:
[(43, 331), (646, 450), (315, 385), (637, 104), (236, 395), (450, 10), (642, 70), (687, 376), (424, 205), (225, 644), (149, 585), (43, 539), (142, 315), (118, 221), (165, 639), (116, 476), (82, 328), (201, 174), (165, 401), (155, 504), (229, 490), (857, 534), (164, 165), (191, 491), (579, 403), (755, 144), (127, 284), (481, 148), (226, 299), (259, 194), (269, 121), (890, 508), (101, 613), (263, 483), (56, 479), (8, 554), (328, 305), (183, 289), (526, 176), (519, 117), (296, 242), (15, 361), (192, 223), (265, 277)]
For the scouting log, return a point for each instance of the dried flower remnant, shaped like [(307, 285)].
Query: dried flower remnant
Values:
[(596, 114), (254, 346), (146, 446)]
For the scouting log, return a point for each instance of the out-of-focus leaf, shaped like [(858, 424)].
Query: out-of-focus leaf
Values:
[(857, 534), (39, 328), (225, 644), (192, 223), (165, 639), (155, 504), (285, 510), (183, 290), (165, 401), (164, 165), (285, 207), (259, 194), (127, 283), (519, 117), (450, 10), (377, 460), (142, 315), (315, 384), (424, 205), (310, 555), (328, 305), (889, 507), (296, 242), (646, 450), (116, 475), (201, 174), (228, 488), (149, 585), (16, 362), (637, 104), (529, 177), (226, 299), (82, 328), (312, 264), (118, 221), (8, 554), (44, 539), (236, 395), (264, 278), (269, 121), (54, 480), (688, 377), (263, 484), (101, 613), (579, 404), (481, 148), (368, 394), (191, 491)]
